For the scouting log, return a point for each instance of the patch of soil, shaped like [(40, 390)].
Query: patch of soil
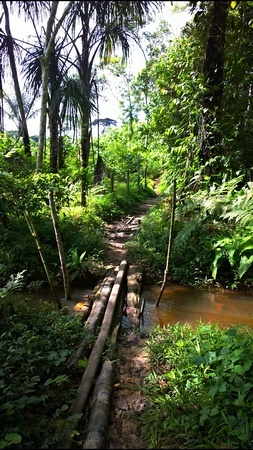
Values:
[(128, 400)]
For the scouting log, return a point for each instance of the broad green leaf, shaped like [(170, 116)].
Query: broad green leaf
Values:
[(198, 360), (239, 369), (245, 264)]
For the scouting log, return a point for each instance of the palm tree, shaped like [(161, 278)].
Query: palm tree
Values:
[(105, 25), (11, 110), (7, 46), (57, 73), (52, 29)]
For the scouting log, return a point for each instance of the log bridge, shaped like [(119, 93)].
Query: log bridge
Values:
[(88, 417)]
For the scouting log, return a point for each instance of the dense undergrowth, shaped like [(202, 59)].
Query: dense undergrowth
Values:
[(200, 385), (200, 388), (83, 235), (212, 243), (36, 386)]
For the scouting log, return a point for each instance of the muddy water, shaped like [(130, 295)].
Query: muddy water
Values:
[(78, 296), (180, 304)]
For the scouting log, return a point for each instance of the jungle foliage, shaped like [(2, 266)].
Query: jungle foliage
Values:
[(200, 387), (169, 131), (187, 116)]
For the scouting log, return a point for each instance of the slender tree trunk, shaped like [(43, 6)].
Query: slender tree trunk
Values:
[(65, 274), (54, 141), (169, 243), (25, 134), (85, 153), (61, 151), (32, 229), (45, 61)]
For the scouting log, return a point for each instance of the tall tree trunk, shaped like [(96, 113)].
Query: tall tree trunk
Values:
[(214, 79), (1, 97), (85, 153), (65, 274), (54, 141), (86, 83), (45, 61), (24, 129)]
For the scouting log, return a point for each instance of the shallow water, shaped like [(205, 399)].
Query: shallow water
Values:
[(178, 304), (181, 304), (78, 296)]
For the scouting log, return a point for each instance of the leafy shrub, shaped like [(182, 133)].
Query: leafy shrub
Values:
[(36, 385), (200, 390)]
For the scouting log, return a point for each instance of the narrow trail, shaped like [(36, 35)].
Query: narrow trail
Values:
[(121, 231), (133, 363)]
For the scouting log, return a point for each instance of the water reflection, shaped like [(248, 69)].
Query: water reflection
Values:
[(178, 304), (78, 298), (181, 304)]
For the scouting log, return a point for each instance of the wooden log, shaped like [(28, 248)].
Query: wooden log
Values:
[(125, 224), (96, 435), (95, 318), (132, 310), (99, 304), (90, 372), (133, 287)]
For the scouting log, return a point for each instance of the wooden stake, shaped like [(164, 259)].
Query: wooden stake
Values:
[(169, 243)]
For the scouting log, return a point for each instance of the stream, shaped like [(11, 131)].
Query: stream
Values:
[(181, 304), (178, 304)]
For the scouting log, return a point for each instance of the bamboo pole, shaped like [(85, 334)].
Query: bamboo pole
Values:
[(169, 243), (34, 233), (61, 252)]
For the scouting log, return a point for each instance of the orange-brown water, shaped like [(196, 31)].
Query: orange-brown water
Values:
[(178, 304), (181, 304)]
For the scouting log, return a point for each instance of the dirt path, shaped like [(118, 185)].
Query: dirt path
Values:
[(133, 363), (121, 231)]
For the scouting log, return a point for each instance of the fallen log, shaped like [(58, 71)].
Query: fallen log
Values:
[(134, 279), (100, 302), (83, 391), (96, 434), (95, 318), (100, 413)]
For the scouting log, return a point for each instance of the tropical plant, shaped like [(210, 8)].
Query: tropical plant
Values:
[(200, 387), (116, 24), (33, 377), (7, 47)]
